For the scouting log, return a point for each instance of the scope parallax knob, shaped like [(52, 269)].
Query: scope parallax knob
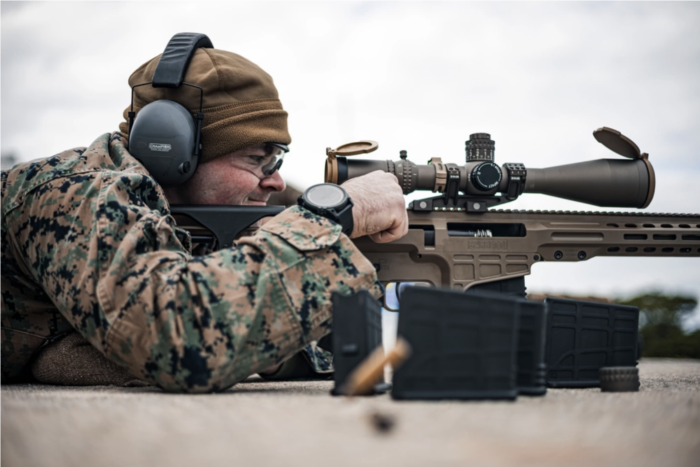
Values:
[(486, 176), (480, 147)]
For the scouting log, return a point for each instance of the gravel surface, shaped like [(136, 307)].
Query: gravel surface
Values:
[(298, 423)]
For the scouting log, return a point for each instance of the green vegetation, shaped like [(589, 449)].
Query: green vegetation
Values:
[(661, 318)]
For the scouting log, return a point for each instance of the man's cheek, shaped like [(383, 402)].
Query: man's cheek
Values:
[(238, 195)]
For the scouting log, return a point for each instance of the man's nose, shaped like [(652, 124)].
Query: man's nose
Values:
[(273, 182)]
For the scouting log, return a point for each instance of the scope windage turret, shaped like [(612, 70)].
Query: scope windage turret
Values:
[(603, 182)]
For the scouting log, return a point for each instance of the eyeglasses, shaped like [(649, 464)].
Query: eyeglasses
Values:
[(263, 166)]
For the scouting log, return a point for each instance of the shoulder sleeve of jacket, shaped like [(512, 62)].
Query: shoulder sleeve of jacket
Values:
[(116, 268)]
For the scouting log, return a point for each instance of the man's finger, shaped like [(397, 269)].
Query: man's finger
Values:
[(385, 236)]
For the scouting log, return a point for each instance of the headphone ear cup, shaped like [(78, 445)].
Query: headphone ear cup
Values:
[(163, 139)]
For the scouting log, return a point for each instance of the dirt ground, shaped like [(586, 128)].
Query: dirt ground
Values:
[(299, 424)]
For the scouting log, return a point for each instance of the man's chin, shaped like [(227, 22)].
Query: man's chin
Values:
[(252, 202)]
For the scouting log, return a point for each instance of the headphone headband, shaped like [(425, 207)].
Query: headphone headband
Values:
[(170, 71)]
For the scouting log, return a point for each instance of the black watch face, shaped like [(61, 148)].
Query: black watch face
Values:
[(326, 196)]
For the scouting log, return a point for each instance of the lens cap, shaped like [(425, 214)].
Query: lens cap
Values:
[(617, 142), (352, 149)]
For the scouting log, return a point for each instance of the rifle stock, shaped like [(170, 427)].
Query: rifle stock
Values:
[(459, 249), (437, 250)]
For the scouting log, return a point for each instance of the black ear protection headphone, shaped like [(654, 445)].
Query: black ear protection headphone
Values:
[(165, 137)]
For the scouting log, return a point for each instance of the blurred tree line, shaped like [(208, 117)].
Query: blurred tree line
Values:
[(660, 319)]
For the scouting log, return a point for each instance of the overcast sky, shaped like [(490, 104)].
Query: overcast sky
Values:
[(540, 77)]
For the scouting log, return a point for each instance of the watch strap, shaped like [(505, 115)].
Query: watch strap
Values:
[(345, 218)]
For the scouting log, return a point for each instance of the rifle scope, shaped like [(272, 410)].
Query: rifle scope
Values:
[(603, 182)]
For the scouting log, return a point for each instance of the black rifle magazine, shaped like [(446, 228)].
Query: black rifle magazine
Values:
[(357, 331), (463, 345), (532, 370), (583, 337)]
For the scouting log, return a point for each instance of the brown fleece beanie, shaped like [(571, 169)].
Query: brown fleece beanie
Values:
[(241, 106)]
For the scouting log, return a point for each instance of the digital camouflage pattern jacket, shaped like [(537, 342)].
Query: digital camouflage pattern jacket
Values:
[(88, 243)]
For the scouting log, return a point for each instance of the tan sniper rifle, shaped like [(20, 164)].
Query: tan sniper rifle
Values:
[(455, 241)]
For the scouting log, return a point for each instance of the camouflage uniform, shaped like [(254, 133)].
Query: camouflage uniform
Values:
[(88, 243)]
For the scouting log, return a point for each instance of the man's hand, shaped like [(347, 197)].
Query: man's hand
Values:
[(380, 208)]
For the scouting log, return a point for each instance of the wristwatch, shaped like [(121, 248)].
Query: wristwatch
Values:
[(329, 201)]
